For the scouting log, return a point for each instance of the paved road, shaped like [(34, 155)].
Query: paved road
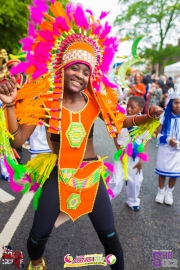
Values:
[(154, 227)]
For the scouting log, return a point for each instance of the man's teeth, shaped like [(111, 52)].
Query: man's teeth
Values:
[(76, 83)]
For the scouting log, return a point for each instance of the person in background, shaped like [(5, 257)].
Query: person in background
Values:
[(155, 93), (38, 142), (168, 141), (135, 106), (165, 97), (138, 89)]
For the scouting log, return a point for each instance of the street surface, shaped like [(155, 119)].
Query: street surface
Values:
[(154, 227)]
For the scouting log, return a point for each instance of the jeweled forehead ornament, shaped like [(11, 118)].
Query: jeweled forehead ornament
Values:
[(175, 92)]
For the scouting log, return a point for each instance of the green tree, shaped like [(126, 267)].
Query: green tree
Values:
[(158, 19), (14, 16)]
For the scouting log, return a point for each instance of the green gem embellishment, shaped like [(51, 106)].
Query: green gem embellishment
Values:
[(73, 201), (75, 134)]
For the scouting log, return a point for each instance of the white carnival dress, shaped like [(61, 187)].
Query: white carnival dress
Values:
[(168, 157)]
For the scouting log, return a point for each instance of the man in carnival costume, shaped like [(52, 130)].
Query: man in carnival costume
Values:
[(68, 54)]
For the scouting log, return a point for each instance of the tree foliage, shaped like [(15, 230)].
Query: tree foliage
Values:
[(14, 16), (157, 19)]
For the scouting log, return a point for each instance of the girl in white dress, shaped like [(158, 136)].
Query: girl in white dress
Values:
[(168, 156)]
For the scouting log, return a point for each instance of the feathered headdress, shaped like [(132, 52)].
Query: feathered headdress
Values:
[(56, 39)]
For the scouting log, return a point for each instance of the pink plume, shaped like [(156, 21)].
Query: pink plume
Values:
[(70, 10), (34, 187), (121, 157), (103, 15), (105, 31), (97, 30), (13, 185), (110, 192), (109, 41), (108, 179), (39, 73), (89, 11), (37, 10), (143, 156), (31, 30), (109, 166), (121, 109), (26, 43), (21, 67), (62, 24), (80, 19), (47, 35), (130, 149), (108, 83)]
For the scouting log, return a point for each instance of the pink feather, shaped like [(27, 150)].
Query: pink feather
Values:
[(21, 67), (13, 185), (39, 73), (47, 35), (108, 179), (62, 24), (97, 29), (80, 18), (109, 166), (110, 192), (31, 30), (143, 156), (105, 31), (34, 187), (130, 149), (89, 11), (121, 109), (109, 41), (70, 10), (37, 9), (96, 85), (26, 43), (103, 15), (121, 157), (108, 83)]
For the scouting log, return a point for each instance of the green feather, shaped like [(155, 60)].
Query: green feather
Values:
[(141, 148), (19, 170), (118, 154), (26, 188), (37, 196)]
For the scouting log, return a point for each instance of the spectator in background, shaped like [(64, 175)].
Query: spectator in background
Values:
[(147, 82), (165, 97), (138, 89), (155, 93)]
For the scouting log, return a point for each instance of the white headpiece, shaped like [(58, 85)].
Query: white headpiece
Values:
[(175, 92)]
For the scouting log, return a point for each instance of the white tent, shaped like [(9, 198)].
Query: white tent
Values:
[(172, 70)]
